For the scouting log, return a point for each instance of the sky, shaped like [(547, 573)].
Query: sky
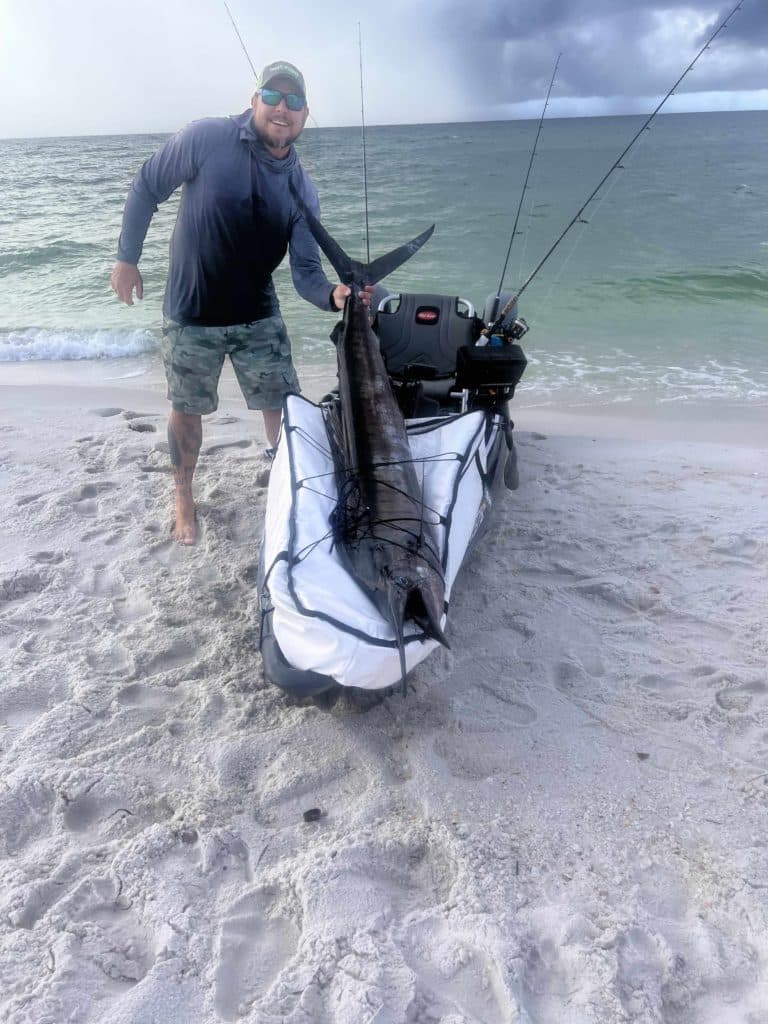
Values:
[(81, 67)]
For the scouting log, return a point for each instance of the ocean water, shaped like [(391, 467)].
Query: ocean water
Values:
[(662, 297)]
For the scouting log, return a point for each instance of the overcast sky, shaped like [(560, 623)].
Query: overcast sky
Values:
[(77, 67)]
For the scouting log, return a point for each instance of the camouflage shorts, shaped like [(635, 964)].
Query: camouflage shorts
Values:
[(261, 358)]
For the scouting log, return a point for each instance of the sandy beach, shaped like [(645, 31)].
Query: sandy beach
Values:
[(563, 822)]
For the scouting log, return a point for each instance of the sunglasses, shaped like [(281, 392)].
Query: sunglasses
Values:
[(293, 100)]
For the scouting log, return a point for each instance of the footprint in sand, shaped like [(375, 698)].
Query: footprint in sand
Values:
[(106, 412), (138, 696), (84, 499), (31, 902), (212, 449), (548, 979), (82, 812), (702, 671), (99, 536), (99, 581), (516, 711), (113, 937), (642, 965), (375, 884), (476, 757), (142, 427), (19, 586), (23, 701), (669, 683), (570, 678), (670, 972), (132, 607), (740, 696), (739, 546), (176, 655), (250, 574), (129, 414), (28, 499), (25, 813), (109, 658), (253, 946), (454, 979)]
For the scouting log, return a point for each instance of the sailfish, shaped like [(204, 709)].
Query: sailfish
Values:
[(384, 532)]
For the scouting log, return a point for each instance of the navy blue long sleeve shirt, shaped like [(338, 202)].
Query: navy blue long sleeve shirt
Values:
[(236, 220)]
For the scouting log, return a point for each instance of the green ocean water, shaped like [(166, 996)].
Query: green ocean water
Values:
[(661, 296)]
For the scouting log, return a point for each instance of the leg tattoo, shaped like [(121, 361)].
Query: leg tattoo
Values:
[(185, 435)]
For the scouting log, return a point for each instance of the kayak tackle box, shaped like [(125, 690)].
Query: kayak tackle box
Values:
[(489, 366)]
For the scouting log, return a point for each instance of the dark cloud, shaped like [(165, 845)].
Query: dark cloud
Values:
[(749, 25), (610, 47)]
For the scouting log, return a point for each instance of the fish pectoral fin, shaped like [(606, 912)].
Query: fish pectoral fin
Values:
[(430, 623), (430, 615)]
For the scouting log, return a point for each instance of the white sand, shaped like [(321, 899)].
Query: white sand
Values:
[(565, 822)]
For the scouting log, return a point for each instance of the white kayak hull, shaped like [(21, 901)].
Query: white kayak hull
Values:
[(320, 629)]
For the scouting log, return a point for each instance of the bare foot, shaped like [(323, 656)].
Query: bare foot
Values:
[(185, 527)]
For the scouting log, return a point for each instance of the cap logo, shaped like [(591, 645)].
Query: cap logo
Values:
[(285, 69)]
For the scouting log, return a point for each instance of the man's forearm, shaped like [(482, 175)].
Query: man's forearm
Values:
[(139, 210)]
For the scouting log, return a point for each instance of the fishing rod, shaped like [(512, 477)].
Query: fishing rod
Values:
[(497, 300), (245, 50), (577, 218), (237, 33), (365, 165)]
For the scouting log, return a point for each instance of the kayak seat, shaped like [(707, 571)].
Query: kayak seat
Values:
[(421, 334)]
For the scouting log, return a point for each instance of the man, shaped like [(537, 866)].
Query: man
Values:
[(236, 219)]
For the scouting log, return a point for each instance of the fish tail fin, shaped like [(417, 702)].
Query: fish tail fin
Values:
[(353, 272)]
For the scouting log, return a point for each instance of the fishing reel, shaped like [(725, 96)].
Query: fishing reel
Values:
[(502, 324), (509, 331), (518, 328)]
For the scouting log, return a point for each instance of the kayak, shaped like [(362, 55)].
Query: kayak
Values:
[(320, 629)]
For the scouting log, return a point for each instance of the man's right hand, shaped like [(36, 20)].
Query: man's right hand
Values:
[(126, 277)]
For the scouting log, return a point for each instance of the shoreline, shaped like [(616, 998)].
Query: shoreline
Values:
[(79, 382)]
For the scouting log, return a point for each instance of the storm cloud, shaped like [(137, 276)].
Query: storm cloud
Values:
[(90, 66), (610, 47)]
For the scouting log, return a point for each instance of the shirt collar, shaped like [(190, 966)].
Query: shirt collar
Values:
[(245, 121)]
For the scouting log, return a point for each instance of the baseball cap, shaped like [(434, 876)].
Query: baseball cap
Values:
[(282, 69)]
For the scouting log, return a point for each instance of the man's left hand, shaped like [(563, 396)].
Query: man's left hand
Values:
[(342, 292)]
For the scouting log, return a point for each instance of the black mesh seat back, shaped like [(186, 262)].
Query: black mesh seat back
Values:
[(424, 329)]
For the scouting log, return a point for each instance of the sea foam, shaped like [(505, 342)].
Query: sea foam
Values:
[(35, 343)]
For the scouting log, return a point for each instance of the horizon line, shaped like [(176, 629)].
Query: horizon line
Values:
[(403, 124)]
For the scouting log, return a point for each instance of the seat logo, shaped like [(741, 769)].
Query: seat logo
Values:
[(427, 315)]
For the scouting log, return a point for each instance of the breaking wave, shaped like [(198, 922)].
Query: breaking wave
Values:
[(34, 343)]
